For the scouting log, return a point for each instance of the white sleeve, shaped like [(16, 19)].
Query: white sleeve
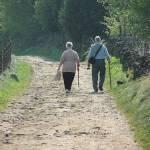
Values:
[(106, 52), (89, 53)]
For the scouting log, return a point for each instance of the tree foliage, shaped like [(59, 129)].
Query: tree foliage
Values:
[(129, 17), (47, 11), (19, 21), (82, 19), (141, 17), (78, 20), (19, 15)]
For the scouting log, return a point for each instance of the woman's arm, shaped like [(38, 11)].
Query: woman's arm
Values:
[(61, 62)]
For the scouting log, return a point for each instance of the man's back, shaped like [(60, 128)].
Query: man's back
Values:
[(103, 53)]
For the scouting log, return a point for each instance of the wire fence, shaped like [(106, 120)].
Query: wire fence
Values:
[(5, 55)]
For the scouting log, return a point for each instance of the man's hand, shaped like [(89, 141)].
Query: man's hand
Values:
[(88, 67), (109, 61)]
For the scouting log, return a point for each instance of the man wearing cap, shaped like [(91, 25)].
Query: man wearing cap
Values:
[(98, 68)]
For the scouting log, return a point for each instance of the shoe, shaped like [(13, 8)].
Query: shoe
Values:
[(94, 92), (101, 89), (67, 91)]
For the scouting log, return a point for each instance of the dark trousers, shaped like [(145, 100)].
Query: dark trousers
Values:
[(68, 79), (98, 70)]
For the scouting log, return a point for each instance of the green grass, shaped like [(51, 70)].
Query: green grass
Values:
[(10, 87), (133, 98), (46, 53), (51, 54)]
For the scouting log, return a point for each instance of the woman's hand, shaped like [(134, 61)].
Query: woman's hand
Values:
[(58, 69), (78, 67), (60, 64)]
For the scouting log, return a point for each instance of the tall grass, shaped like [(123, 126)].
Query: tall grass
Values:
[(51, 54), (9, 87), (133, 97)]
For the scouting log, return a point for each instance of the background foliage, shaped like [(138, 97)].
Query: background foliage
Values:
[(48, 24)]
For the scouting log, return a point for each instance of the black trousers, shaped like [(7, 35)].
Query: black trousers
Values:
[(68, 79)]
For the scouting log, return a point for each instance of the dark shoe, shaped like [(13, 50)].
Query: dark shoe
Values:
[(101, 89), (67, 91), (95, 91)]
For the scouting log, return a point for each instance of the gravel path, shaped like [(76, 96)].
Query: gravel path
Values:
[(45, 118)]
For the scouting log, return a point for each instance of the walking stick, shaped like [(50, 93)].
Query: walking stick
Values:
[(78, 77), (110, 75)]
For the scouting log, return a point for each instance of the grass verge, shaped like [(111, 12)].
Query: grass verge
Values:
[(9, 87), (46, 53), (133, 97)]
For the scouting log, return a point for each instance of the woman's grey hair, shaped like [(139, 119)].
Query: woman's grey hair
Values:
[(69, 45), (97, 39)]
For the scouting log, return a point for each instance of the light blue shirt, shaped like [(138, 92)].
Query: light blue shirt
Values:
[(103, 53)]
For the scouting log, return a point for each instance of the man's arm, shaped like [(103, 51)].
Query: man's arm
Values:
[(89, 55), (107, 55)]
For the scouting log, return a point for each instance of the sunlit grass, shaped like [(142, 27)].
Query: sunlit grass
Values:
[(133, 97), (9, 87)]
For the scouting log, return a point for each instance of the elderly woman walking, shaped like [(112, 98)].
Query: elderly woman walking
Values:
[(70, 63)]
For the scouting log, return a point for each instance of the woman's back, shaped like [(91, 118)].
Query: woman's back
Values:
[(69, 59)]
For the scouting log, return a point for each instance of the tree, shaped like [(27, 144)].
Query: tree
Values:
[(46, 12), (118, 21), (129, 17), (82, 19), (19, 20), (2, 26), (141, 17)]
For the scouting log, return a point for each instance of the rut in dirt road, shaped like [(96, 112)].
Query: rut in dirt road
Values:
[(44, 118)]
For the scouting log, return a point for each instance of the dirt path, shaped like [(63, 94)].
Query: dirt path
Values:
[(44, 118)]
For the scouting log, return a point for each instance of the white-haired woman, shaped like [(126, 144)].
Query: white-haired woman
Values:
[(70, 63)]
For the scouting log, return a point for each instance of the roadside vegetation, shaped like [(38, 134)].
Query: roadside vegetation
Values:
[(52, 54), (14, 81), (133, 98), (42, 27)]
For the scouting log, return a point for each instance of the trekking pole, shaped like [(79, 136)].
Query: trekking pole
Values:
[(110, 75), (78, 77)]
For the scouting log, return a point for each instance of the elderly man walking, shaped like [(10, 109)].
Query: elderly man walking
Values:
[(99, 52)]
